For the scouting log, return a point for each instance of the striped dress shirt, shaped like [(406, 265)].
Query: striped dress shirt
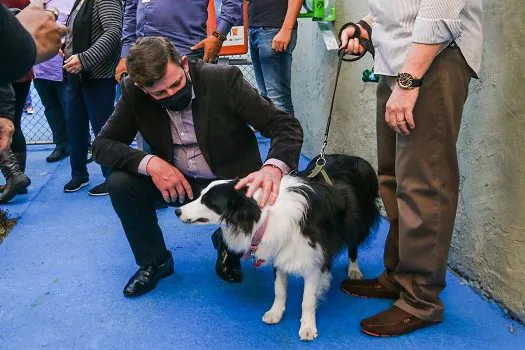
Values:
[(399, 23)]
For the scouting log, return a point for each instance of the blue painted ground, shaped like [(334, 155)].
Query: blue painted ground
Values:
[(63, 267)]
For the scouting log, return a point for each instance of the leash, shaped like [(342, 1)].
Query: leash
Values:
[(369, 47)]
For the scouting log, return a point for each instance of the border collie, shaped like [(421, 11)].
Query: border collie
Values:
[(310, 222)]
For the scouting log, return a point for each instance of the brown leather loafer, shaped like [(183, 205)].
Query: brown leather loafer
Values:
[(368, 289), (392, 322)]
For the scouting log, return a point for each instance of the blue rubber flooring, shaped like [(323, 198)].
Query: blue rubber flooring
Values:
[(63, 267)]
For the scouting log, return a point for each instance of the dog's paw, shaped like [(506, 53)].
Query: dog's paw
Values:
[(307, 332), (354, 272), (355, 275), (272, 316)]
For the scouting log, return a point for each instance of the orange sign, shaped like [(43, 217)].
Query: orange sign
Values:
[(237, 39)]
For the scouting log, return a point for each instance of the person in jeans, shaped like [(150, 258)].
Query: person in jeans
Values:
[(91, 53), (272, 39), (426, 52), (50, 85)]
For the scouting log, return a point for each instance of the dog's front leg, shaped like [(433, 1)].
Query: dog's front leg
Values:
[(308, 330), (275, 314)]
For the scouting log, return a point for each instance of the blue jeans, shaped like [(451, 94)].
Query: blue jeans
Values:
[(273, 70), (53, 95), (88, 102)]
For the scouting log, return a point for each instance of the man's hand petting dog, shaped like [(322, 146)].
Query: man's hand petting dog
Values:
[(269, 178), (169, 180)]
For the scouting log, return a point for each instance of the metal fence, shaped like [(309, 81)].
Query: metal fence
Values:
[(36, 128)]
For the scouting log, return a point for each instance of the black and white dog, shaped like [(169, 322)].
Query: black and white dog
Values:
[(310, 222)]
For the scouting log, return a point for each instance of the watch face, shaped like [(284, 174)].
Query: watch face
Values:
[(405, 80)]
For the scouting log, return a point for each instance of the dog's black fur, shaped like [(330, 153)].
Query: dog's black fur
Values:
[(355, 180), (338, 215)]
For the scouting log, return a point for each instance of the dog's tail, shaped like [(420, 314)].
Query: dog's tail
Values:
[(364, 181)]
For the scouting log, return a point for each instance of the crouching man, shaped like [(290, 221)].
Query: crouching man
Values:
[(196, 118)]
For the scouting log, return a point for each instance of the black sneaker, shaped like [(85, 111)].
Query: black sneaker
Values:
[(57, 154), (99, 190), (76, 184)]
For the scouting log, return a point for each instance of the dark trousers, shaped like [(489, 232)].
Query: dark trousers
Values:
[(53, 95), (134, 198), (419, 184), (18, 145), (89, 101)]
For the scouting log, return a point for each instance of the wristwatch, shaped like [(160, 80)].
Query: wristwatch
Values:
[(407, 81)]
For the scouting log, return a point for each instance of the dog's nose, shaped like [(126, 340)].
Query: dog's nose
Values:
[(178, 212)]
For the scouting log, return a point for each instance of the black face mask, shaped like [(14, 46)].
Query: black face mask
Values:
[(180, 101)]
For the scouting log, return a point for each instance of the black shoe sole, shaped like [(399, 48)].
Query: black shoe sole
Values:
[(82, 185), (98, 194), (54, 160)]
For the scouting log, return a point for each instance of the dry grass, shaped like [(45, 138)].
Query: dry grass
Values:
[(6, 224)]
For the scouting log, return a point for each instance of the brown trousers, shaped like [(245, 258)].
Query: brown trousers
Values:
[(419, 182)]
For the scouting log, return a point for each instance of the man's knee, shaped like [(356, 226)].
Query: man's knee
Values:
[(120, 183)]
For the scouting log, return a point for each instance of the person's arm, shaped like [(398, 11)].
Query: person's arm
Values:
[(231, 15), (284, 130), (129, 28), (111, 147), (111, 18), (129, 36), (16, 41), (437, 24), (282, 38)]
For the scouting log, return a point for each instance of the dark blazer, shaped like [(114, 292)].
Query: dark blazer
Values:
[(223, 107)]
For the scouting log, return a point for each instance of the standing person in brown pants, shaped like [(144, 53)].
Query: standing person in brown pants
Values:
[(427, 51)]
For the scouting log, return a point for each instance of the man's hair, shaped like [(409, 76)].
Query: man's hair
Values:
[(148, 59)]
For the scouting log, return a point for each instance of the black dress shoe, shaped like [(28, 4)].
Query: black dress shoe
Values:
[(59, 153), (147, 278), (228, 264)]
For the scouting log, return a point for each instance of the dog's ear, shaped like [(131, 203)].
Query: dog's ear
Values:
[(236, 181), (242, 212)]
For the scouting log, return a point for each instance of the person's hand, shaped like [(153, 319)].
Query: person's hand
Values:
[(42, 26), (7, 128), (169, 180), (121, 69), (73, 65), (399, 110), (268, 178), (211, 46), (352, 46), (281, 40)]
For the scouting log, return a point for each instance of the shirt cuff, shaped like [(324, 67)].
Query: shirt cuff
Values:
[(435, 31), (223, 26), (285, 169), (143, 165)]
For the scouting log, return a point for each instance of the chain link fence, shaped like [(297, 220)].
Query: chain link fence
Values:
[(35, 126)]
